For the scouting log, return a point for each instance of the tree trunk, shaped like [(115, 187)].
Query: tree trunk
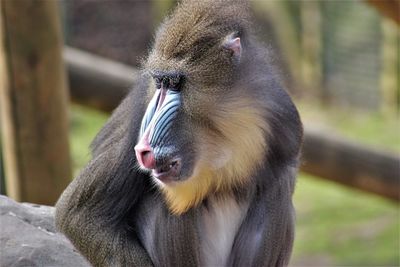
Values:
[(33, 101)]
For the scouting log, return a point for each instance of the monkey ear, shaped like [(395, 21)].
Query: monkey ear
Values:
[(233, 44)]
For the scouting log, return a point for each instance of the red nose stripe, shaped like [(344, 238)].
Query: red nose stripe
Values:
[(148, 160), (145, 155)]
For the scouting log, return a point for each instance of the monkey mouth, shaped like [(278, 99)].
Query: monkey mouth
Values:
[(168, 172)]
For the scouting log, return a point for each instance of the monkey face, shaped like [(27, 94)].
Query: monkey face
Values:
[(177, 123), (200, 131), (196, 138), (164, 145), (187, 91)]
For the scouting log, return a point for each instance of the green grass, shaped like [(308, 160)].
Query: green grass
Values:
[(336, 225), (339, 226), (85, 123)]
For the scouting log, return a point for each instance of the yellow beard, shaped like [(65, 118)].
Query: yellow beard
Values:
[(244, 130)]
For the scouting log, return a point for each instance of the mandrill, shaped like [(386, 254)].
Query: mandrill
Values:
[(197, 165)]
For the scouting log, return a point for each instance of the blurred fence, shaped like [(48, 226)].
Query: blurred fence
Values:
[(340, 52), (351, 54)]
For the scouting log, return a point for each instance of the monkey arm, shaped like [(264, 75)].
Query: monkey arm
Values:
[(91, 213), (266, 236)]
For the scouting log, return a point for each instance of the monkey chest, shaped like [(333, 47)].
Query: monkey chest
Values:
[(213, 226), (219, 224)]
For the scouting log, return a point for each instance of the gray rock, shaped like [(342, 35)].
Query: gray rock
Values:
[(28, 237)]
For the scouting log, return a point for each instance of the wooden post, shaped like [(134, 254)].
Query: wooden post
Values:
[(33, 100)]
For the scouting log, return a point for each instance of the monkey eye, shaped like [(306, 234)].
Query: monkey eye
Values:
[(170, 81), (158, 82), (174, 83)]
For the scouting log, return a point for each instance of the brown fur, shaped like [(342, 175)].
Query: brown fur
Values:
[(190, 40)]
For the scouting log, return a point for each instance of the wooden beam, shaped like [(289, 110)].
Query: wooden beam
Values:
[(388, 8), (102, 84), (97, 82), (331, 157), (34, 101)]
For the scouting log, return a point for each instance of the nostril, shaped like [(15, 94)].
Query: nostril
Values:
[(145, 156), (170, 169)]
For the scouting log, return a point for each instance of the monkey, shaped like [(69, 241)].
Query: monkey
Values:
[(197, 165)]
